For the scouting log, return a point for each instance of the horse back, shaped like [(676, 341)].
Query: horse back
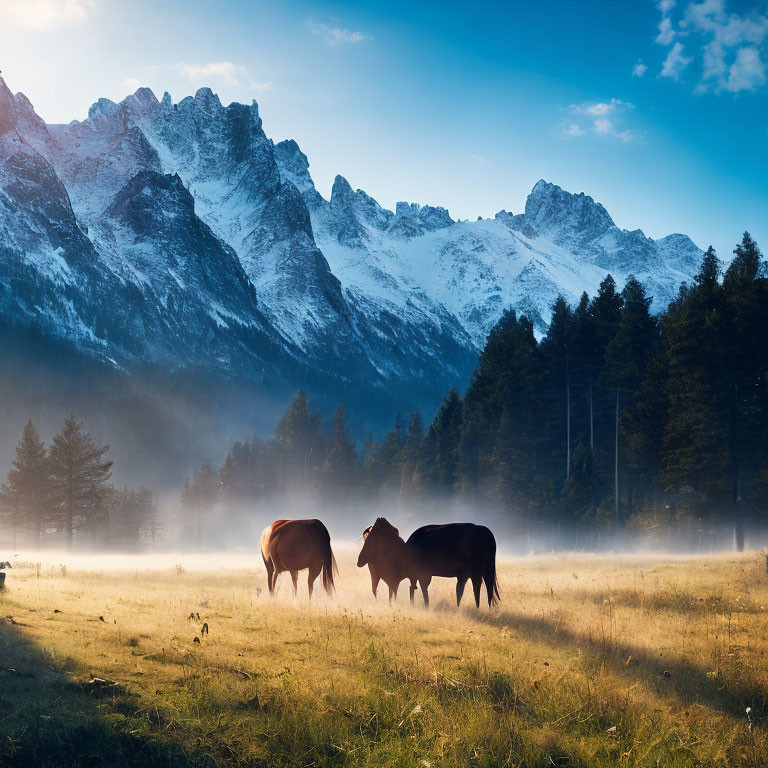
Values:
[(294, 544), (452, 548)]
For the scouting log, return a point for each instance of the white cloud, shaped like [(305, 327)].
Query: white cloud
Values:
[(39, 14), (336, 35), (666, 31), (221, 72), (600, 118), (572, 129), (132, 83), (730, 46), (675, 62), (639, 69), (747, 72)]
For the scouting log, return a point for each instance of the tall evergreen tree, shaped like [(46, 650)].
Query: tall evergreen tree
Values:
[(696, 454), (80, 474), (300, 443), (626, 361), (558, 349), (340, 471), (744, 372), (26, 494)]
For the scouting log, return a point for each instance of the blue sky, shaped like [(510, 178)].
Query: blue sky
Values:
[(659, 110)]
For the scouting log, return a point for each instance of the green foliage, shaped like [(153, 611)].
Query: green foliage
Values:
[(79, 478), (533, 439), (26, 494)]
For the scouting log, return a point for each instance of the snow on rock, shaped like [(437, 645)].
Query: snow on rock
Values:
[(180, 233)]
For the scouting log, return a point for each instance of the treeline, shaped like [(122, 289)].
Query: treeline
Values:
[(616, 422), (62, 492)]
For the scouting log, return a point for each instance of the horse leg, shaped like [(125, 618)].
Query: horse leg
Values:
[(425, 582), (273, 582), (477, 583), (413, 589), (374, 583), (270, 571), (392, 594), (294, 579), (460, 584), (313, 574)]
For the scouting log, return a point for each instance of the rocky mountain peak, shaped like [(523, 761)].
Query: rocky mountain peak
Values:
[(342, 194), (103, 108), (206, 99), (550, 208), (423, 217), (293, 165), (141, 103), (7, 108)]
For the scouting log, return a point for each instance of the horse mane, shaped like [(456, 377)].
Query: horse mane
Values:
[(384, 526)]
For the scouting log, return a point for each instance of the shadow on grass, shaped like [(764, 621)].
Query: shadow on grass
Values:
[(669, 676), (49, 719)]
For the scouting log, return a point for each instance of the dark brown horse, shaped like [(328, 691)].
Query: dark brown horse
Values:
[(293, 545), (462, 551), (386, 556)]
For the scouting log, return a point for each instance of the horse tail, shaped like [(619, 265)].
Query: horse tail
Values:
[(330, 569), (265, 536), (489, 576)]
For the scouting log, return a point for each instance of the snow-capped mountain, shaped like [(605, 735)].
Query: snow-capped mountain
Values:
[(179, 234), (562, 243)]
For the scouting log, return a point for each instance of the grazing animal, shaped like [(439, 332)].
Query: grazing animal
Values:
[(293, 545), (464, 551), (386, 556)]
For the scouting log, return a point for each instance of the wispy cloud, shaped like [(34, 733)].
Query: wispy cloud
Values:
[(731, 47), (222, 73), (336, 35), (605, 119), (132, 83), (39, 14), (675, 62), (639, 69)]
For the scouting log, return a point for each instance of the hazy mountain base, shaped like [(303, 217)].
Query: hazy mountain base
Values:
[(158, 423)]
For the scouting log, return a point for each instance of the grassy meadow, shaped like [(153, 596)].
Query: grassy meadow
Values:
[(589, 661)]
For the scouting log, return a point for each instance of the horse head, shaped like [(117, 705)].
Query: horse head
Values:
[(381, 532)]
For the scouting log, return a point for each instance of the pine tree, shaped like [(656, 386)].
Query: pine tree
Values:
[(339, 473), (626, 360), (743, 372), (80, 474), (300, 443), (442, 443), (26, 494), (558, 349), (696, 444)]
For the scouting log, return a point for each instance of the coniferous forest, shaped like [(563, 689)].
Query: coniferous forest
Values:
[(617, 427)]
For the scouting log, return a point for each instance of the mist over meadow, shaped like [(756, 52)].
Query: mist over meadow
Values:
[(619, 430)]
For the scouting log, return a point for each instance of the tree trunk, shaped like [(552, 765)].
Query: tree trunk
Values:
[(616, 468), (69, 518), (738, 522), (568, 419)]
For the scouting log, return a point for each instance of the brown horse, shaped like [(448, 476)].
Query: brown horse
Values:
[(293, 545), (458, 550), (386, 556)]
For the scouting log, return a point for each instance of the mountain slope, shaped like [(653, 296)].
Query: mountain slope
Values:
[(562, 243), (178, 235)]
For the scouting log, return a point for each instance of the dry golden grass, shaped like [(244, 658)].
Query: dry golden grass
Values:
[(590, 661)]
